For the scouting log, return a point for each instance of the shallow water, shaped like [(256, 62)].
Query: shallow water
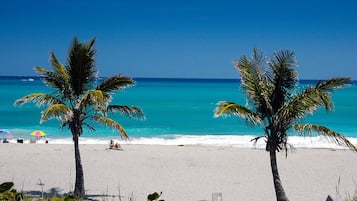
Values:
[(178, 111)]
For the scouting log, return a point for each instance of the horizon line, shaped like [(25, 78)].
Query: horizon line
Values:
[(162, 78)]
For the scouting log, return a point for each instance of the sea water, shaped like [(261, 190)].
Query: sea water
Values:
[(177, 111)]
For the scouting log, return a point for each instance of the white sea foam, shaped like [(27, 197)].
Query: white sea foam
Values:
[(244, 141), (184, 107)]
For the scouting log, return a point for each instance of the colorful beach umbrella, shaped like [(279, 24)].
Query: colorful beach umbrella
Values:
[(5, 132), (38, 133)]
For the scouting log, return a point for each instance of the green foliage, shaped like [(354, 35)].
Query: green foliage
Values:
[(154, 196), (76, 98), (6, 186), (64, 198), (275, 102), (9, 193), (351, 199)]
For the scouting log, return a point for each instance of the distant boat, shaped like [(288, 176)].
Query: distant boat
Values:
[(28, 80)]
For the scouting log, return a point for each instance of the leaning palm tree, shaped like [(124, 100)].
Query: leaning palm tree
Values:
[(275, 103), (77, 100)]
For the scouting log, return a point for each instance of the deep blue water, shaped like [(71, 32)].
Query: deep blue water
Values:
[(173, 108)]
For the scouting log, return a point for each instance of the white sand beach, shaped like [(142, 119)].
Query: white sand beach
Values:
[(189, 173)]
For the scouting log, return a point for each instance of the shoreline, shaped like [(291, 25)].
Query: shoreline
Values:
[(237, 141), (188, 172)]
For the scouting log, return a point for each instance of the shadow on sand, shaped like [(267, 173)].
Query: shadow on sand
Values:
[(59, 193)]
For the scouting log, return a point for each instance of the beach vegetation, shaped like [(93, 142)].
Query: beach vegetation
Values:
[(344, 195), (7, 192), (155, 196), (351, 199), (276, 103), (80, 99)]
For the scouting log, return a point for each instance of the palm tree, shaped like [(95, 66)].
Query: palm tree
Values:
[(77, 99), (275, 103)]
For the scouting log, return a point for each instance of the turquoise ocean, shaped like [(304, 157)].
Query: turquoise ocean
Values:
[(178, 112)]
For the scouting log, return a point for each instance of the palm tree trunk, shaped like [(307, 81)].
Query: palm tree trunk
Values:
[(279, 190), (79, 185)]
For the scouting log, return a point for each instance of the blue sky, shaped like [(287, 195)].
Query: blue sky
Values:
[(186, 39)]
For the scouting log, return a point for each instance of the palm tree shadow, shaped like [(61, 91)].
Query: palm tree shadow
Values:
[(51, 192), (98, 197), (59, 193)]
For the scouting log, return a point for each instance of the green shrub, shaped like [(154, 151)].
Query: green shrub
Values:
[(63, 198), (6, 186), (155, 196), (9, 193)]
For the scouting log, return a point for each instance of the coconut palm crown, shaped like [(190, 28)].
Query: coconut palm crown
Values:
[(77, 100), (275, 102)]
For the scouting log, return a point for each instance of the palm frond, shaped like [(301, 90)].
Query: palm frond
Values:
[(58, 67), (112, 124), (61, 75), (58, 111), (312, 98), (254, 82), (41, 70), (96, 99), (90, 45), (81, 66), (225, 108), (332, 84), (46, 76), (325, 132), (283, 65), (115, 83), (325, 99), (40, 99), (49, 78), (256, 139), (307, 101), (90, 127), (257, 63), (132, 112), (285, 77), (250, 77), (326, 87), (58, 79)]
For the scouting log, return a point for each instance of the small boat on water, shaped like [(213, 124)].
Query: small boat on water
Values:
[(28, 80)]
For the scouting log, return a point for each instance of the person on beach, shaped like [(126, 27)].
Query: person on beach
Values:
[(5, 140), (111, 144), (114, 146)]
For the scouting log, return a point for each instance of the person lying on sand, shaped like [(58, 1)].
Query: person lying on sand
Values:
[(115, 146)]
